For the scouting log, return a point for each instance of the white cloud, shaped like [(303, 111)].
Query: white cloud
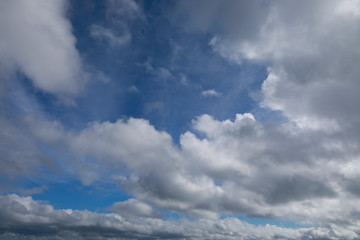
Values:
[(210, 93), (37, 40)]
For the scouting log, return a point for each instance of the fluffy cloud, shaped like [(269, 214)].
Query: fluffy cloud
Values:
[(24, 218), (37, 40), (223, 167)]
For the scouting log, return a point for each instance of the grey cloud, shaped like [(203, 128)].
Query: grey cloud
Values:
[(20, 154), (24, 218), (238, 167), (236, 18), (292, 188), (309, 48), (134, 207), (32, 191)]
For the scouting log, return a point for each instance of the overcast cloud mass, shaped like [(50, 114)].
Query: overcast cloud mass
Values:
[(179, 119)]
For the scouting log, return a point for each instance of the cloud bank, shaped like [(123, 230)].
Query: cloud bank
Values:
[(29, 218)]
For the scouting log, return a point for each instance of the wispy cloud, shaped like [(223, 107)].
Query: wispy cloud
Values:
[(104, 34)]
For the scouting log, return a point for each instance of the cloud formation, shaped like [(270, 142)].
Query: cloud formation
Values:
[(302, 168), (37, 40), (221, 172), (32, 219), (312, 74)]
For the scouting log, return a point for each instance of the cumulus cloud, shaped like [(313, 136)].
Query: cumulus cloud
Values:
[(238, 166), (235, 166), (24, 218), (37, 40)]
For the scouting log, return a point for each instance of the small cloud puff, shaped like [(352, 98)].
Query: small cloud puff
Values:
[(210, 93)]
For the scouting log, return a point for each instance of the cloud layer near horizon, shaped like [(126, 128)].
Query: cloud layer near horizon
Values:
[(27, 217)]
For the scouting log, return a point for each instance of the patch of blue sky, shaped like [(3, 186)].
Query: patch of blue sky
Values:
[(74, 195), (166, 101), (171, 215), (264, 221)]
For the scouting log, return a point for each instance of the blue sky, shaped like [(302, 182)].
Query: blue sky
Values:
[(182, 119)]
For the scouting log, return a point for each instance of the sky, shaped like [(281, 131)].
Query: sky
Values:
[(207, 119)]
